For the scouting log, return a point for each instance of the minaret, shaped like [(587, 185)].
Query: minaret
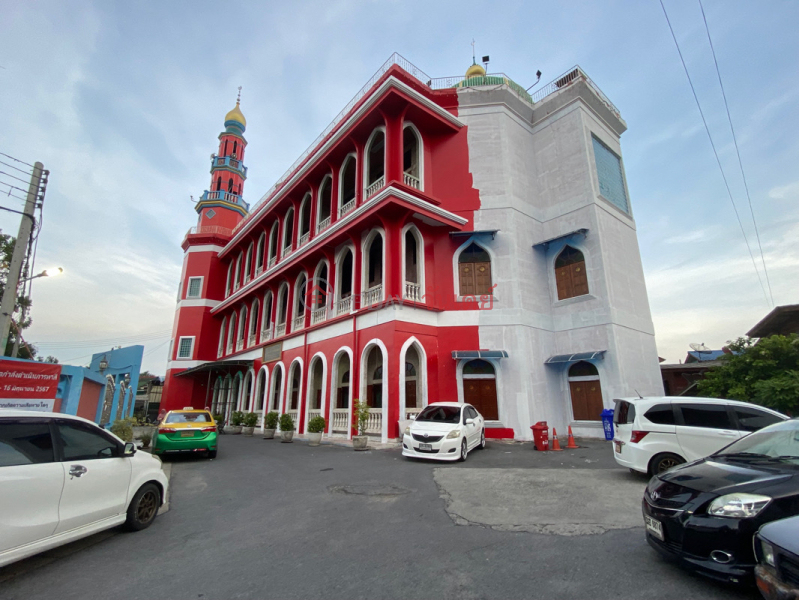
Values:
[(195, 332)]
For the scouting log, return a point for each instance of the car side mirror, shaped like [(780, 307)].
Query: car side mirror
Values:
[(130, 449), (469, 421)]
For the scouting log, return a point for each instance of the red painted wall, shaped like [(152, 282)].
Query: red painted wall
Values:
[(89, 399)]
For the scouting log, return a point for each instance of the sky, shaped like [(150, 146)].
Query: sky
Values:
[(123, 102)]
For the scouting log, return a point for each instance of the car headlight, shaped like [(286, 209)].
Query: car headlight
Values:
[(768, 553), (453, 434), (738, 506), (408, 430)]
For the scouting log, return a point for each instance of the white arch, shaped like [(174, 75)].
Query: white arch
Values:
[(309, 375), (246, 403), (305, 205), (333, 386), (420, 257), (222, 330), (231, 335), (255, 308), (282, 292), (237, 274), (297, 301), (349, 247), (248, 262), (328, 178), (421, 376), (259, 251), (420, 146), (274, 234), (265, 371), (266, 317), (235, 403), (286, 222), (241, 334), (366, 241), (271, 396), (497, 377), (286, 399), (456, 279), (229, 280), (326, 283), (367, 146), (364, 375), (340, 199), (553, 253)]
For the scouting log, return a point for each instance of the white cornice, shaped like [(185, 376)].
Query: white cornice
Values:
[(391, 82)]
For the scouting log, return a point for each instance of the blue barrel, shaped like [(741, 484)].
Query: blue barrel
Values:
[(607, 423)]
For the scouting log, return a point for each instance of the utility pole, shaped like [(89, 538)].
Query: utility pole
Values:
[(9, 301)]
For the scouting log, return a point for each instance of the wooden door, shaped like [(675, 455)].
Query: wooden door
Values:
[(579, 279), (586, 400), (564, 282), (482, 394), (466, 276), (482, 277), (410, 394)]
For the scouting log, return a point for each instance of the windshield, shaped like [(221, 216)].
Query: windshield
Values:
[(780, 440), (181, 417), (440, 414)]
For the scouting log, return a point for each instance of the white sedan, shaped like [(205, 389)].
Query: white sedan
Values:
[(63, 478), (444, 431)]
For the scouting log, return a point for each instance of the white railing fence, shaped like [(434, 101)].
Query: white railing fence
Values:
[(344, 305), (411, 181), (340, 420), (373, 188), (413, 291)]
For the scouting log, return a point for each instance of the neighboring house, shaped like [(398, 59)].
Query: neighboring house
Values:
[(704, 356), (783, 320), (442, 239), (148, 397), (681, 379)]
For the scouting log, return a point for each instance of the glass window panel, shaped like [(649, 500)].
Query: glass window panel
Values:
[(82, 442), (25, 444), (609, 173)]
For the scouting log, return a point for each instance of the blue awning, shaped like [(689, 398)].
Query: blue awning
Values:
[(470, 354), (567, 358), (457, 234), (545, 243)]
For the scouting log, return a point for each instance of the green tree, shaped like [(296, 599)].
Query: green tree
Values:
[(765, 372), (7, 243)]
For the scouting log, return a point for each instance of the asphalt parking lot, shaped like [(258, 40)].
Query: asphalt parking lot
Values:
[(272, 520)]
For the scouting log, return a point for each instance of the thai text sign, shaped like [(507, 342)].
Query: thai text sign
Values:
[(28, 385)]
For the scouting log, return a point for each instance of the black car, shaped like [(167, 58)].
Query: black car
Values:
[(705, 513), (777, 553)]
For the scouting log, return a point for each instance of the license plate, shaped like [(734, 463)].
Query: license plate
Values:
[(654, 527), (425, 446), (618, 447), (187, 434)]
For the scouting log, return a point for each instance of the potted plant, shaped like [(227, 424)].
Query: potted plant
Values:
[(146, 438), (249, 422), (316, 427), (361, 413), (236, 418), (270, 424), (286, 427)]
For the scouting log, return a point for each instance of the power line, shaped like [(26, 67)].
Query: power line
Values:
[(718, 161), (14, 177), (13, 167), (738, 152), (104, 342), (13, 187), (16, 159)]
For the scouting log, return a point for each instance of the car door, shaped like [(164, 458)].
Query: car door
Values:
[(472, 429), (96, 475), (31, 482), (703, 429)]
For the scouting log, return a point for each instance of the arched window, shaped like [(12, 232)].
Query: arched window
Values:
[(344, 282), (282, 310), (474, 271), (248, 263), (221, 347), (259, 253), (305, 219), (347, 186), (277, 382), (570, 274), (273, 244), (324, 203), (316, 383), (231, 334), (229, 278), (411, 158), (294, 391), (219, 183), (288, 232), (374, 381), (266, 321), (230, 185), (413, 265), (299, 303), (413, 382), (319, 290), (375, 164), (374, 262), (237, 274), (480, 388), (586, 392), (342, 379), (215, 397), (242, 328), (254, 320), (235, 147), (260, 391), (224, 153)]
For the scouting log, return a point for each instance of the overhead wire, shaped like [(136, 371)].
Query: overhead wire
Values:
[(738, 153), (715, 152), (17, 168), (16, 159), (14, 177)]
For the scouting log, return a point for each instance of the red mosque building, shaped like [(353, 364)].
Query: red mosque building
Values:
[(392, 263)]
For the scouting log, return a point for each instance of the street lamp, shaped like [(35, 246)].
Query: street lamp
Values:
[(24, 310), (45, 273)]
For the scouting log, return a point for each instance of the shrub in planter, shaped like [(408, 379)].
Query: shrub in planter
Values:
[(360, 410), (316, 428), (146, 438), (286, 427), (249, 422), (123, 429), (270, 424), (236, 418), (219, 418)]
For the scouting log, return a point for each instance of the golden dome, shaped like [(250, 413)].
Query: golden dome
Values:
[(475, 71), (235, 115)]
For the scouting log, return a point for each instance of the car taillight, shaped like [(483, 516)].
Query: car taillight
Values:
[(208, 429), (637, 436), (165, 430)]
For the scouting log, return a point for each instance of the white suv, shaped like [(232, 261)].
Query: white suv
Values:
[(63, 478), (654, 434)]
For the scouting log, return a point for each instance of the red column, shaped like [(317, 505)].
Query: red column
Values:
[(392, 251), (393, 148), (394, 409), (360, 184), (313, 209), (289, 305), (331, 283), (334, 183), (356, 268)]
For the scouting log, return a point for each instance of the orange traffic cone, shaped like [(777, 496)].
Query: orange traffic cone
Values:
[(555, 443), (570, 445)]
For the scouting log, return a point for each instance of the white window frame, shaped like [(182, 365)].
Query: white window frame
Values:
[(351, 156), (180, 345), (419, 149), (188, 287)]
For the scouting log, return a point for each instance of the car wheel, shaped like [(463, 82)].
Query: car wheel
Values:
[(212, 453), (143, 508), (664, 462), (482, 440), (464, 451)]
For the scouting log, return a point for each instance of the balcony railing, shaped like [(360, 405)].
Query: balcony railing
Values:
[(298, 323), (568, 78), (348, 207), (340, 418), (372, 189), (294, 414), (410, 413), (374, 425), (251, 340), (222, 195), (266, 334), (412, 181), (304, 238), (286, 251), (239, 344), (228, 161), (272, 262), (373, 295), (344, 305), (280, 330), (247, 279), (314, 412), (207, 229), (322, 225), (413, 291), (259, 270), (318, 315), (220, 352)]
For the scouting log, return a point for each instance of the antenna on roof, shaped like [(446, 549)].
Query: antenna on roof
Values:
[(639, 394), (537, 74), (699, 347)]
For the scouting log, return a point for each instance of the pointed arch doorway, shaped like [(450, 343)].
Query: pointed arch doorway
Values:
[(480, 388)]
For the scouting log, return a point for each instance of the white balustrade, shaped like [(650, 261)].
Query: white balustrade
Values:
[(220, 352), (294, 414), (340, 420), (286, 251), (272, 262), (344, 305), (346, 208), (266, 334), (375, 423), (259, 270), (298, 323), (280, 329), (410, 413), (239, 344), (372, 295), (413, 291), (318, 315), (314, 412), (251, 340), (372, 189), (304, 238), (411, 180), (322, 225), (247, 279)]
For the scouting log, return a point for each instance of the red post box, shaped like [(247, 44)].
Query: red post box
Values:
[(541, 435)]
